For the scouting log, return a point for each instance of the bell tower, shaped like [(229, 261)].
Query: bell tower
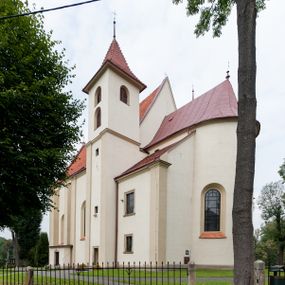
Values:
[(113, 144), (114, 97)]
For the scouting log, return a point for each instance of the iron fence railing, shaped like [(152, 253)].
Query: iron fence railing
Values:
[(99, 274)]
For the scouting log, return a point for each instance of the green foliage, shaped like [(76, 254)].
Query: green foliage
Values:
[(41, 250), (282, 171), (38, 117), (271, 201), (6, 250), (213, 13), (271, 204), (26, 229), (266, 247)]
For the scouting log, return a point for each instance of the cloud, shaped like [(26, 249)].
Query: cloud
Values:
[(157, 39)]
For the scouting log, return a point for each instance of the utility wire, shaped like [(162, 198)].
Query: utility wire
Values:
[(46, 10)]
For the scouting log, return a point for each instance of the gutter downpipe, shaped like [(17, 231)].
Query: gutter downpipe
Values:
[(116, 227)]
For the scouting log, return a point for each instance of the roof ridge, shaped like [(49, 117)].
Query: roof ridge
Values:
[(209, 105)]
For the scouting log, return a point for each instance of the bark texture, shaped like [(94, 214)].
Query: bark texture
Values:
[(246, 133)]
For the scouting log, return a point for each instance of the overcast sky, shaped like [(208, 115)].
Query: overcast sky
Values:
[(157, 39)]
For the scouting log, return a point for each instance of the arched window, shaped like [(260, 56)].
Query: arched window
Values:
[(62, 229), (98, 96), (124, 95), (83, 221), (97, 118), (212, 210)]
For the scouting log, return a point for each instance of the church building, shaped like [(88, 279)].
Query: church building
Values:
[(153, 182)]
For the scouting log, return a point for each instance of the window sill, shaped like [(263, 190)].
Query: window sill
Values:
[(131, 214), (128, 252), (212, 235)]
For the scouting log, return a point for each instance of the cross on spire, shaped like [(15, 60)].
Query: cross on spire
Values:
[(114, 25), (228, 71)]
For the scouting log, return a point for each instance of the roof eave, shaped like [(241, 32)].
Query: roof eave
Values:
[(190, 128), (77, 172), (108, 64), (142, 168)]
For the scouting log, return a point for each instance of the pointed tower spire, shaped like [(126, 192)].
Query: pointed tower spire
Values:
[(115, 60), (193, 97)]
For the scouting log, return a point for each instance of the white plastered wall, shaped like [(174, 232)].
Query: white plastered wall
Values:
[(123, 118), (80, 244), (215, 156), (163, 105), (138, 224), (96, 183), (179, 200), (117, 156)]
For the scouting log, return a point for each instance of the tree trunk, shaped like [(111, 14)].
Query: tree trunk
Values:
[(246, 133), (280, 239), (281, 255)]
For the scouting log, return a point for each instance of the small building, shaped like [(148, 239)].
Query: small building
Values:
[(153, 182)]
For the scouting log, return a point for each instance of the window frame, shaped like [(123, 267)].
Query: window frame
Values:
[(83, 223), (97, 118), (212, 223), (126, 249), (213, 234), (124, 95), (126, 195), (62, 230), (98, 96)]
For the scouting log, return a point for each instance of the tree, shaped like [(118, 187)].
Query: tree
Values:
[(38, 117), (25, 233), (266, 247), (41, 250), (216, 13), (282, 171), (6, 251), (271, 204)]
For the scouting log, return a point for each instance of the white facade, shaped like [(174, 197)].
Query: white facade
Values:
[(137, 189)]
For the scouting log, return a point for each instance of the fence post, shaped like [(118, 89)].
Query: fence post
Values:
[(29, 276), (259, 278), (191, 273)]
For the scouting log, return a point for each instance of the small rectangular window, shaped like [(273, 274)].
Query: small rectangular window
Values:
[(128, 243), (97, 151), (56, 258), (96, 211), (130, 203)]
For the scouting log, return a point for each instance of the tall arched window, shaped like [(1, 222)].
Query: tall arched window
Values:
[(98, 96), (212, 210), (124, 95), (83, 221), (97, 118), (62, 229)]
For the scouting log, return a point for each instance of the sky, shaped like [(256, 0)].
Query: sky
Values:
[(157, 40)]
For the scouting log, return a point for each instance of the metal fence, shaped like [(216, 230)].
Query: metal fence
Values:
[(100, 274)]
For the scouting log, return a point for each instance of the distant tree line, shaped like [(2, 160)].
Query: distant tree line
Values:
[(270, 238), (35, 254)]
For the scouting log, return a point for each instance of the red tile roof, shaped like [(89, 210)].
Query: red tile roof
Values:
[(146, 104), (115, 58), (219, 102), (79, 162), (147, 160)]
